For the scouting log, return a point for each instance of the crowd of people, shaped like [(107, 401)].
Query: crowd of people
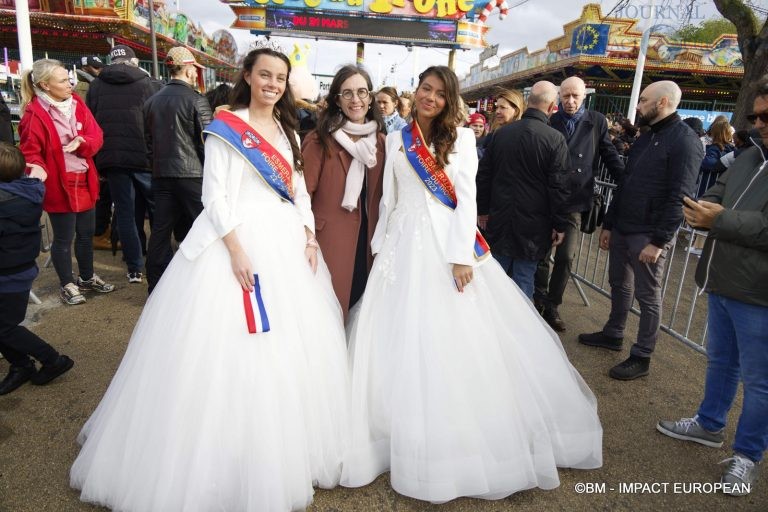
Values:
[(335, 262)]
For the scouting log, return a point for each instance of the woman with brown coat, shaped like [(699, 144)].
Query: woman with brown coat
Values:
[(343, 162)]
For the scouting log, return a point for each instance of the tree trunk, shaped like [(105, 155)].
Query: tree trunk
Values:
[(753, 43)]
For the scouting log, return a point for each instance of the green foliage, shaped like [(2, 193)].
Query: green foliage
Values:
[(706, 31)]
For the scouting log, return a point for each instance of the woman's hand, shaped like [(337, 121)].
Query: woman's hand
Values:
[(311, 254), (35, 171), (241, 263), (242, 268), (462, 275), (73, 145), (310, 251)]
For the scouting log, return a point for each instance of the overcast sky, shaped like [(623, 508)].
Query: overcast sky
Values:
[(531, 24)]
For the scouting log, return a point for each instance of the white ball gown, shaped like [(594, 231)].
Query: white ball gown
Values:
[(203, 416), (457, 394)]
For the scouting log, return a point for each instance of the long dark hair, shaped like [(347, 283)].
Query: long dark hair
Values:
[(332, 117), (443, 131), (240, 97)]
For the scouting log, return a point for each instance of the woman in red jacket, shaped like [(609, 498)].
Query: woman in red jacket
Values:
[(59, 137)]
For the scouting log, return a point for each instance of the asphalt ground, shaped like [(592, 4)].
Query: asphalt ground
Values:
[(643, 470)]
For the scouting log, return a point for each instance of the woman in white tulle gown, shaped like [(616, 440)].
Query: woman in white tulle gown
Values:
[(202, 415), (458, 386)]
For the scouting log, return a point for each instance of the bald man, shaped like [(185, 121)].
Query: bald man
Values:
[(522, 188), (586, 132), (642, 220)]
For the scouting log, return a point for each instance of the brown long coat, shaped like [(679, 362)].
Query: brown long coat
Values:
[(336, 228)]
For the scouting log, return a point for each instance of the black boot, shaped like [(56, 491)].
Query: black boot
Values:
[(17, 375), (50, 371), (552, 317), (630, 369), (598, 339)]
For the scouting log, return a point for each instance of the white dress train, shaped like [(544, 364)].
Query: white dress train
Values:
[(203, 416), (457, 394)]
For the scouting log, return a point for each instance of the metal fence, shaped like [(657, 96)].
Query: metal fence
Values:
[(684, 309)]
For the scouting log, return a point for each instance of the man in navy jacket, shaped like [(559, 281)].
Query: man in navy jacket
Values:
[(642, 220)]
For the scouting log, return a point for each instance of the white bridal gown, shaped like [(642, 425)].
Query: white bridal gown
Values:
[(203, 416), (457, 394)]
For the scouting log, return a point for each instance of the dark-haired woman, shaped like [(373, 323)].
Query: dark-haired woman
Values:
[(388, 103), (343, 162), (459, 388), (202, 414)]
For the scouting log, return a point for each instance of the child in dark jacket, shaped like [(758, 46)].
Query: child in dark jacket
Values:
[(21, 204)]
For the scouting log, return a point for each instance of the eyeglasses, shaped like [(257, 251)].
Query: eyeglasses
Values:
[(762, 116), (349, 94)]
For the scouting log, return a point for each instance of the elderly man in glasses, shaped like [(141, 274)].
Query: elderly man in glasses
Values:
[(733, 270)]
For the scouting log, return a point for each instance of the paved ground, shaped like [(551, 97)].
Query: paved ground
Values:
[(38, 425)]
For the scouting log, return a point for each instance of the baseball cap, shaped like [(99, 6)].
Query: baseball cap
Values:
[(476, 118), (121, 53), (180, 56), (92, 61)]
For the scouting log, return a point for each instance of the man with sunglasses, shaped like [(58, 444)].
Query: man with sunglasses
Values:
[(733, 270)]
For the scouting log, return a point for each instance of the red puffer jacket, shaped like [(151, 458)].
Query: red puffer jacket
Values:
[(64, 192)]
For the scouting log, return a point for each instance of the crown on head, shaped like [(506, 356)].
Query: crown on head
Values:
[(263, 42)]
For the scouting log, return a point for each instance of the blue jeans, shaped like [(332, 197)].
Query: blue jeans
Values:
[(522, 272), (737, 349), (124, 184)]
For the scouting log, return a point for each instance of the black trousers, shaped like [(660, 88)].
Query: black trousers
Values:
[(175, 199), (18, 343), (549, 289), (67, 226)]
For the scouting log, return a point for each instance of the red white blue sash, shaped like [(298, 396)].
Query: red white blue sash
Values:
[(434, 178), (255, 312), (265, 159)]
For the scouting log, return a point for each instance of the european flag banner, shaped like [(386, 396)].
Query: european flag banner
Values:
[(590, 39)]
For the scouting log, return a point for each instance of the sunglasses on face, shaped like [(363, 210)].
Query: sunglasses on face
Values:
[(762, 116), (349, 94)]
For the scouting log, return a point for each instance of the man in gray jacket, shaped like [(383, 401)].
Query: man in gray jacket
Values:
[(733, 270), (174, 120)]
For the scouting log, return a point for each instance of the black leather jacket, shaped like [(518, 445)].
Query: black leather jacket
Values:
[(174, 120)]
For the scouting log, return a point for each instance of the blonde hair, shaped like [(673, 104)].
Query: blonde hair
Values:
[(514, 98), (41, 72), (721, 134)]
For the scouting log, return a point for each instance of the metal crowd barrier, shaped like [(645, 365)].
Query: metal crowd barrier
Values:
[(684, 310)]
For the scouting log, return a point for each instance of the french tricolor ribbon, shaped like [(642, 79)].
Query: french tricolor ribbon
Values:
[(435, 179), (255, 312)]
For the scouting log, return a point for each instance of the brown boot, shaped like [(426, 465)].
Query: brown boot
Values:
[(103, 242)]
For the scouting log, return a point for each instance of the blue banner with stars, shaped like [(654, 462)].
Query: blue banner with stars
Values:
[(590, 39)]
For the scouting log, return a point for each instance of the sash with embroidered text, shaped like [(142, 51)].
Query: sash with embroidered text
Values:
[(434, 178), (268, 163)]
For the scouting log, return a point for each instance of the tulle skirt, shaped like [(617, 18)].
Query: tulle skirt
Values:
[(459, 394), (203, 416)]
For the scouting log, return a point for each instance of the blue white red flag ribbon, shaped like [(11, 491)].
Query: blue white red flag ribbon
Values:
[(255, 312), (269, 164), (435, 179)]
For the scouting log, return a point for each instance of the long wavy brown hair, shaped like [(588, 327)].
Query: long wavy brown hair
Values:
[(332, 117), (443, 130), (285, 109)]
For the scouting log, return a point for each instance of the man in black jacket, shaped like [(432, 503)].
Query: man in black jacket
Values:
[(642, 220), (174, 121), (21, 204), (588, 143), (522, 188), (116, 98)]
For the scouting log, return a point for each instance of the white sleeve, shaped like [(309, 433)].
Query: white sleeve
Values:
[(218, 205), (302, 201), (461, 235), (388, 194)]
